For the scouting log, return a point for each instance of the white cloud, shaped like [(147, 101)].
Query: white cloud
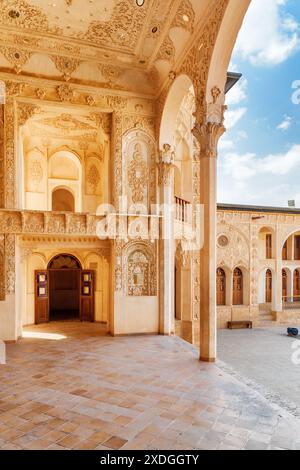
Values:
[(285, 124), (248, 179), (233, 116), (269, 36), (237, 94), (242, 135), (226, 144)]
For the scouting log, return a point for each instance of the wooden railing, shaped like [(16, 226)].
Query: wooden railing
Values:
[(182, 209)]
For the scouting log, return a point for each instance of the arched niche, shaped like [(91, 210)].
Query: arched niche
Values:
[(139, 168), (65, 172), (63, 200), (140, 269)]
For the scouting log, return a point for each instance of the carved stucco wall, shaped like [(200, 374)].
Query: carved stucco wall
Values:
[(139, 168), (140, 269)]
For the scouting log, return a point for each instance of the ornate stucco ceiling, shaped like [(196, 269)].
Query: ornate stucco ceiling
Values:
[(113, 43)]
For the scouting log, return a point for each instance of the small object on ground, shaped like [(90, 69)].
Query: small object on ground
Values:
[(292, 332), (232, 325)]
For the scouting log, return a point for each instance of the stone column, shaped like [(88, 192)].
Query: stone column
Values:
[(208, 134), (277, 304), (290, 286), (166, 241)]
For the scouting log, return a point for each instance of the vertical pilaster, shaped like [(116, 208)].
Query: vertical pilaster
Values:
[(166, 243), (208, 135), (9, 152), (277, 303)]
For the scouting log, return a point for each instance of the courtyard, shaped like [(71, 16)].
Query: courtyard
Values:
[(70, 385), (264, 357)]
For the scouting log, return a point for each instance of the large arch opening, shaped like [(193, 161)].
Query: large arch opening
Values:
[(64, 288)]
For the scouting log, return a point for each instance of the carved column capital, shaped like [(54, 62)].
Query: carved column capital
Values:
[(208, 136), (166, 166)]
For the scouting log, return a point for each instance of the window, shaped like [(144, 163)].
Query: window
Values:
[(63, 200), (284, 251), (268, 246), (237, 287), (297, 285), (221, 287), (268, 286), (297, 247), (284, 285)]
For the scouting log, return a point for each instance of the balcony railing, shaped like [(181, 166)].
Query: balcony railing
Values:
[(182, 212)]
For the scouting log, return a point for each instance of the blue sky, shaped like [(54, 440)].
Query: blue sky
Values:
[(259, 156)]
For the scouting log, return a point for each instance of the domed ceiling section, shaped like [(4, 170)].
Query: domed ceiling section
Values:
[(108, 43)]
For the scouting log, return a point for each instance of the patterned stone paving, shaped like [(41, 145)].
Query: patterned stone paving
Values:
[(86, 390)]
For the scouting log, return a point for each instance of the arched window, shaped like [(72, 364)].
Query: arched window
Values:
[(284, 251), (221, 287), (284, 285), (64, 261), (237, 287), (268, 246), (268, 286), (297, 285), (297, 247), (63, 200)]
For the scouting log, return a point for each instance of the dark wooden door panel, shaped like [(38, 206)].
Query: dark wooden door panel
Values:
[(41, 294), (87, 301)]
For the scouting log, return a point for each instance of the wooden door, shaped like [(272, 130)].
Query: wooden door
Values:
[(297, 247), (221, 287), (297, 285), (87, 298), (268, 286), (284, 251), (237, 287), (268, 246), (41, 294), (284, 285)]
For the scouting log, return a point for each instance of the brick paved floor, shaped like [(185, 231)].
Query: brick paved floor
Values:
[(264, 355), (87, 390)]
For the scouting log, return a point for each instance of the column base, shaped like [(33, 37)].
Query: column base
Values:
[(207, 359)]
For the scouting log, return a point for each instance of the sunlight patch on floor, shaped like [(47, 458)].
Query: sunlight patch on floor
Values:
[(41, 335)]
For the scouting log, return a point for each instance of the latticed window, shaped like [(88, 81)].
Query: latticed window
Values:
[(268, 286), (284, 251), (221, 287), (268, 246), (284, 285), (237, 287)]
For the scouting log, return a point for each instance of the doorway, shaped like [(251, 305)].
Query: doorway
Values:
[(64, 295), (64, 291), (268, 286)]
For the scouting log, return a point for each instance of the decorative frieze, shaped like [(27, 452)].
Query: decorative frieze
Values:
[(10, 259), (9, 164)]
